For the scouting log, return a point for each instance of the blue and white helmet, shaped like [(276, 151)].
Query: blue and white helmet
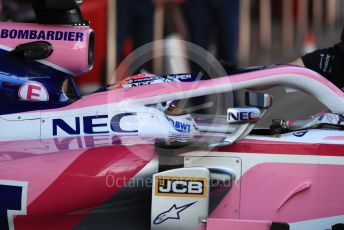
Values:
[(149, 79)]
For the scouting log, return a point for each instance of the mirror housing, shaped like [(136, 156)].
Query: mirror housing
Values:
[(246, 118), (258, 100)]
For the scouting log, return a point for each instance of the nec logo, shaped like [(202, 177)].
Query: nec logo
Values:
[(243, 115), (92, 125), (180, 186)]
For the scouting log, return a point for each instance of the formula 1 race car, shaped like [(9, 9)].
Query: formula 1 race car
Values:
[(129, 157)]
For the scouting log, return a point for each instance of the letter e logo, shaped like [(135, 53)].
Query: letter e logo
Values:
[(33, 91)]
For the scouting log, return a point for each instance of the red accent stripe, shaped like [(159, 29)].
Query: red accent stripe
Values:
[(272, 147)]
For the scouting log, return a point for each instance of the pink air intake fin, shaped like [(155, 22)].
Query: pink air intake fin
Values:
[(301, 188)]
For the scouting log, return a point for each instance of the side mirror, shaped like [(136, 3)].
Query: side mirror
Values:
[(258, 100), (246, 118)]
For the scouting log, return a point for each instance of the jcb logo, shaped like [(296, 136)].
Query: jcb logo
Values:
[(180, 186)]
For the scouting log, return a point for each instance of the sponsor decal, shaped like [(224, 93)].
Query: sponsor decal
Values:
[(180, 126), (243, 115), (179, 77), (172, 214), (180, 186), (13, 197), (91, 125), (33, 91), (136, 84), (300, 134), (42, 35), (143, 81)]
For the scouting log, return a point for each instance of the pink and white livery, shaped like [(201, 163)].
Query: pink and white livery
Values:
[(87, 164), (130, 157)]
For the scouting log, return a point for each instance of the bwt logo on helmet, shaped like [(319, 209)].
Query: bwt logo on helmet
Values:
[(180, 186), (180, 126), (42, 35)]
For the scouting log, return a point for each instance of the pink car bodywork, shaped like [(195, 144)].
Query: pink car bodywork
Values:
[(280, 180), (71, 54), (287, 190)]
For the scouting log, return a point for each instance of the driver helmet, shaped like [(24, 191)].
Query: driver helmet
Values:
[(169, 107), (179, 119)]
